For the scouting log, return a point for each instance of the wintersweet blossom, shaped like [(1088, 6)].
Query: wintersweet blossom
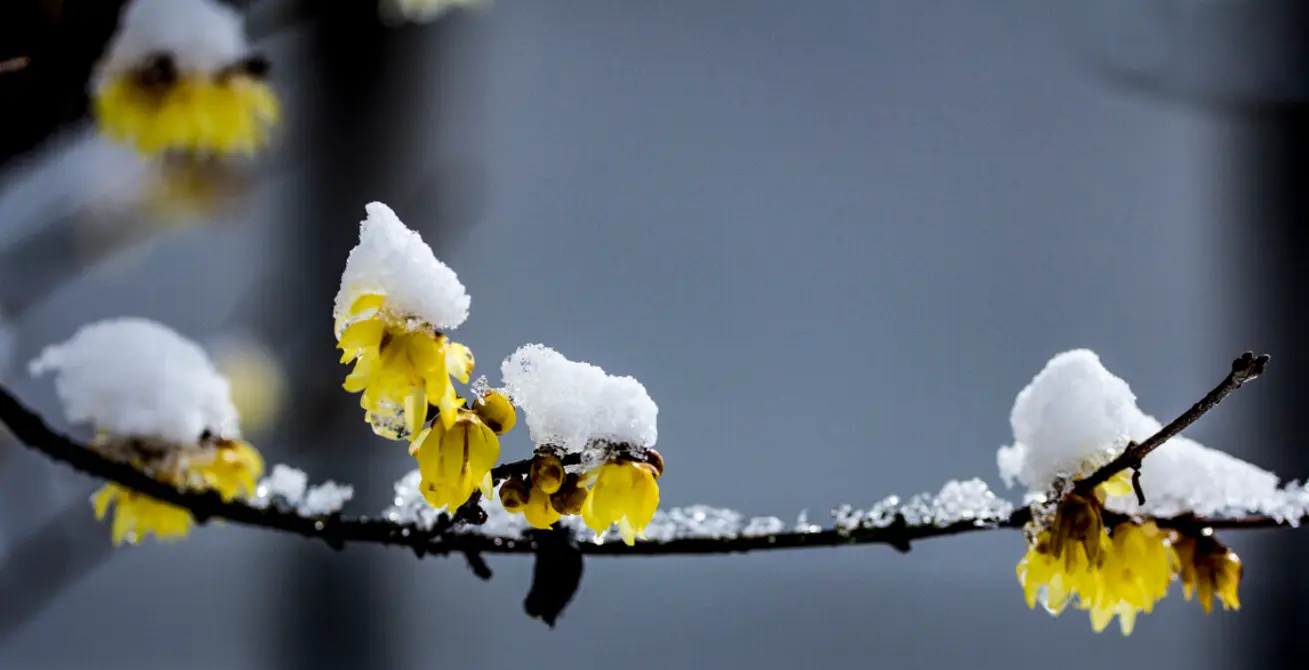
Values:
[(157, 403), (1073, 418), (178, 76), (395, 301)]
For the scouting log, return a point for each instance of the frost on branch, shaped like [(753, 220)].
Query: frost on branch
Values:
[(393, 261), (133, 377), (289, 488), (969, 501), (570, 404)]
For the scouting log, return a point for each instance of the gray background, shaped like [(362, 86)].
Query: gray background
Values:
[(833, 239)]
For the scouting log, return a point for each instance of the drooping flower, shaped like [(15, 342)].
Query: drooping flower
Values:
[(625, 493), (456, 461), (395, 301), (1135, 574), (1209, 569), (1064, 559), (137, 516), (179, 76)]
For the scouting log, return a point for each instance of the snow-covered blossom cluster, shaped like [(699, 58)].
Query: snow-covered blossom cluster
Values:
[(393, 311), (1076, 417), (156, 401), (571, 405)]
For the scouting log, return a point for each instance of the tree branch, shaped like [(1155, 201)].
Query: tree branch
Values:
[(449, 534), (1246, 367)]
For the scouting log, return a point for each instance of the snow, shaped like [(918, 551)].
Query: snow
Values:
[(135, 377), (1072, 417), (394, 260), (326, 498), (1076, 416), (423, 11), (1183, 476), (289, 487), (285, 483), (409, 507), (957, 502), (571, 404), (201, 35)]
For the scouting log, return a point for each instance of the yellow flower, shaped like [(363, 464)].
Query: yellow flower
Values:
[(1063, 560), (400, 371), (623, 492), (234, 469), (1135, 575), (1117, 485), (455, 462), (137, 515), (158, 109), (539, 511), (1210, 569)]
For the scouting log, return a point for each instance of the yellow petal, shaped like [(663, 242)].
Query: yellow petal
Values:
[(458, 361), (366, 334), (367, 302)]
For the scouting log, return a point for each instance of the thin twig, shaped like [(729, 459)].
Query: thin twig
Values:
[(1246, 367)]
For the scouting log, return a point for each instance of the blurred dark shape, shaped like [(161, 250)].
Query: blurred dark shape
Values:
[(1207, 54), (1271, 225), (61, 41), (555, 576), (478, 565)]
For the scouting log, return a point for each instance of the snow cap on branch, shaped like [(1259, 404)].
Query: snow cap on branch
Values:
[(201, 36), (136, 378), (1075, 416), (1183, 476), (570, 404), (393, 260), (1072, 417)]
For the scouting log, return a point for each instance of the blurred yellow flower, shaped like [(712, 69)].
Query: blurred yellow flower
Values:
[(137, 515), (158, 109)]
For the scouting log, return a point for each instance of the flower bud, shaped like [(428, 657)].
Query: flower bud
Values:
[(570, 497), (513, 494), (495, 410), (547, 472), (656, 460)]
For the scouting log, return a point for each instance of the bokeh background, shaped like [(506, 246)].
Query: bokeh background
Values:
[(833, 239)]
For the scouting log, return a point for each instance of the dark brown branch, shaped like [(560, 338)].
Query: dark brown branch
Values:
[(1246, 367), (447, 536)]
